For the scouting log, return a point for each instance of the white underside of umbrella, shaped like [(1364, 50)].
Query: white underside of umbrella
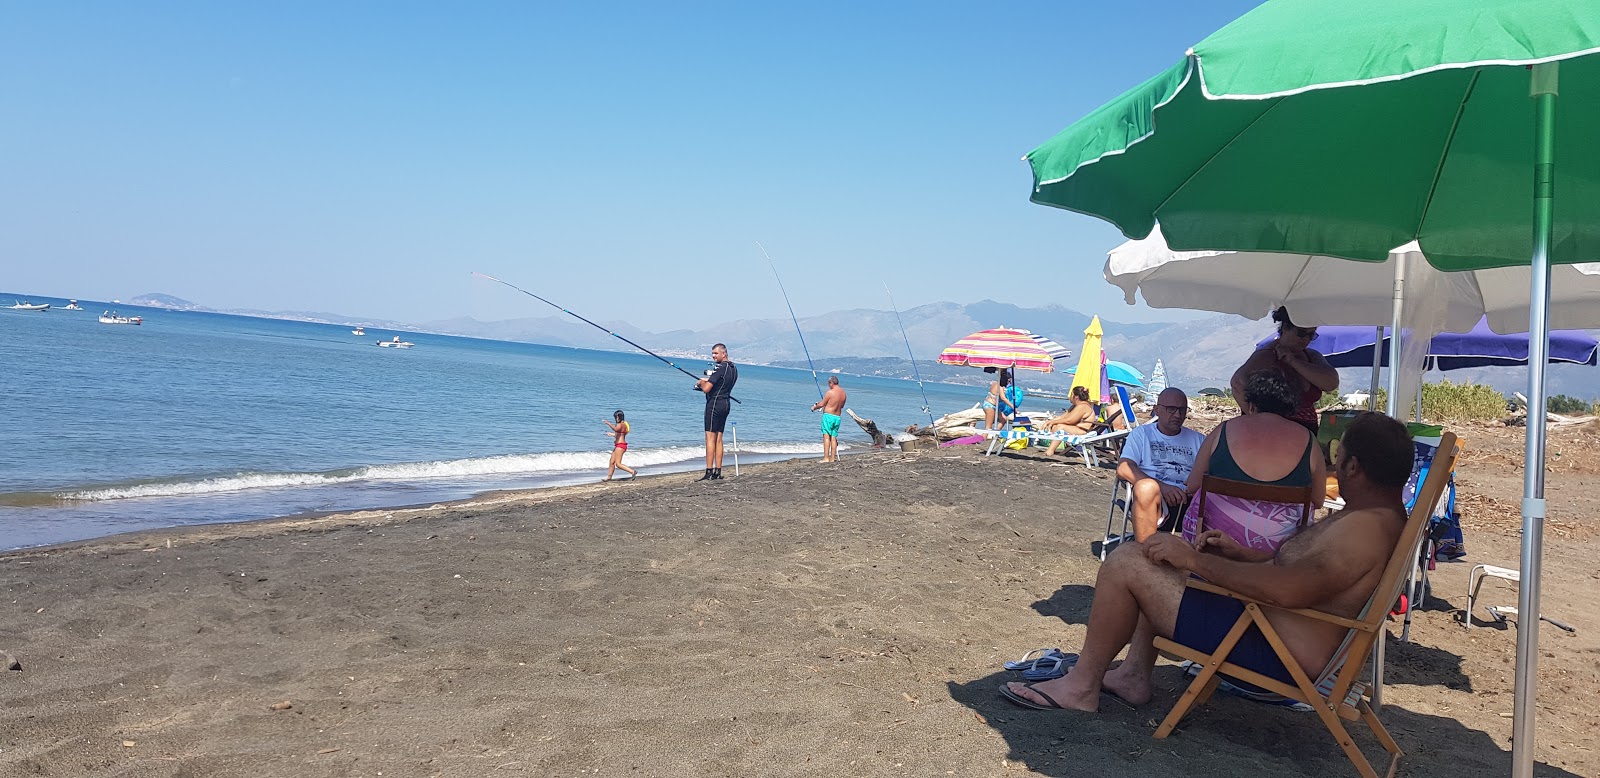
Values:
[(1323, 290)]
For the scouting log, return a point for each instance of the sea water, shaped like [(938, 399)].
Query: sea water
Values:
[(195, 418)]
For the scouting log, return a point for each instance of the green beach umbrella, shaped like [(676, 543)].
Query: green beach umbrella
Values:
[(1348, 128)]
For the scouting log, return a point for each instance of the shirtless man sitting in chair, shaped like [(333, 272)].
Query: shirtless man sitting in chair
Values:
[(1332, 566)]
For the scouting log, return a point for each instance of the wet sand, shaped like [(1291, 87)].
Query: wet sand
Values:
[(801, 620)]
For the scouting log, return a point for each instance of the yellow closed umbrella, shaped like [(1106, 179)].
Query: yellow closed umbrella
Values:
[(1088, 373)]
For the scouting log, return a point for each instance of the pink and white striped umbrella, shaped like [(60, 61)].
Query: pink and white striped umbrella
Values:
[(999, 347)]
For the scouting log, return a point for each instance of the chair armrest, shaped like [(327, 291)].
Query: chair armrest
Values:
[(1347, 623)]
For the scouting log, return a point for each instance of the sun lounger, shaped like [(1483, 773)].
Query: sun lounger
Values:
[(1015, 428), (1336, 693), (1085, 444)]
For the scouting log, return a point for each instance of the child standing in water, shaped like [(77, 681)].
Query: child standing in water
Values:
[(619, 431)]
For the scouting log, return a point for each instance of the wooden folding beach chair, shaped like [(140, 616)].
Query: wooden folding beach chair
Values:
[(1337, 692)]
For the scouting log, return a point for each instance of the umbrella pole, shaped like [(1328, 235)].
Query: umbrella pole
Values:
[(1377, 367), (1542, 88), (1392, 408)]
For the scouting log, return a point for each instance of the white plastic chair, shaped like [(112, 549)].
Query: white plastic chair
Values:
[(1475, 581)]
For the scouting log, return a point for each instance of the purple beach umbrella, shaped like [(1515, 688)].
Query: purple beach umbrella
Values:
[(1482, 347)]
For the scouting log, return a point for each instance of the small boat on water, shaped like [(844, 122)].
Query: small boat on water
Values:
[(72, 305), (396, 343), (23, 305), (111, 317), (359, 331)]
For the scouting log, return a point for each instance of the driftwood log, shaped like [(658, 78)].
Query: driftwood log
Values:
[(879, 439), (1551, 420), (952, 425)]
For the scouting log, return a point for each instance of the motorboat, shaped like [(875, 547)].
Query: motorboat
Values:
[(359, 331), (72, 305), (396, 343), (27, 306), (111, 317)]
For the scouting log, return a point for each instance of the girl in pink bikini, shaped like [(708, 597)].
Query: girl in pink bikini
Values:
[(620, 431)]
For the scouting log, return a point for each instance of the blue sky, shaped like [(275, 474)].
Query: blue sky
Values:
[(623, 159)]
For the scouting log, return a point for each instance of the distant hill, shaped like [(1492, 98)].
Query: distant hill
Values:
[(861, 332), (173, 303), (167, 301)]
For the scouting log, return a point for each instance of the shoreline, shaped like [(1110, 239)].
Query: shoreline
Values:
[(313, 520)]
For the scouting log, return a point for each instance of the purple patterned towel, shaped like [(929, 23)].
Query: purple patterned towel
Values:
[(1253, 523)]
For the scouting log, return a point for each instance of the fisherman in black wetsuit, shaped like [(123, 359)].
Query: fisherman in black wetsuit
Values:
[(718, 386)]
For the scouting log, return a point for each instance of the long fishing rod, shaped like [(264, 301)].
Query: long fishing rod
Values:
[(596, 326), (796, 319), (927, 407)]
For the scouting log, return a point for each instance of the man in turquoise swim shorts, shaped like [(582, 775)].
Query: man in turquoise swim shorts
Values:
[(831, 404)]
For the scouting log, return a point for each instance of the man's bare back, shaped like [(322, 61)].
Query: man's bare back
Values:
[(833, 400), (1356, 542)]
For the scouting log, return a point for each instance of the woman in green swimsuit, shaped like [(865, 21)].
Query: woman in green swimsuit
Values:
[(1261, 447)]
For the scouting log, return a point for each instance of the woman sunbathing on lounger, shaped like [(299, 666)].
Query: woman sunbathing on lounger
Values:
[(1078, 420)]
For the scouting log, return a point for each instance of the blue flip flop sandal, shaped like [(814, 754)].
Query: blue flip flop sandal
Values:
[(1048, 667), (1031, 657)]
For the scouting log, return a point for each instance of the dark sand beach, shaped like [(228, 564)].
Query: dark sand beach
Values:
[(801, 620)]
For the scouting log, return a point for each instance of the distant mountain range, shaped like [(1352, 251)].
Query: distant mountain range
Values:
[(172, 303), (1197, 354)]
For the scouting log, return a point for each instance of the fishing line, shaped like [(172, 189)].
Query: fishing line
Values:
[(927, 407), (796, 319), (669, 362)]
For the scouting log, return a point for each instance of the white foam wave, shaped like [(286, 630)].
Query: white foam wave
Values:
[(232, 483), (512, 464), (476, 467)]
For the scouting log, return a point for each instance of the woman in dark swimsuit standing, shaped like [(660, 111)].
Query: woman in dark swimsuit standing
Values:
[(1307, 372)]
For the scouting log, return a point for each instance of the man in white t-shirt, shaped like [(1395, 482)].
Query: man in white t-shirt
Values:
[(1157, 459)]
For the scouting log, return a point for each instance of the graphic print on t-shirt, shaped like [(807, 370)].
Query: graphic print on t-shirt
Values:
[(1166, 459)]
